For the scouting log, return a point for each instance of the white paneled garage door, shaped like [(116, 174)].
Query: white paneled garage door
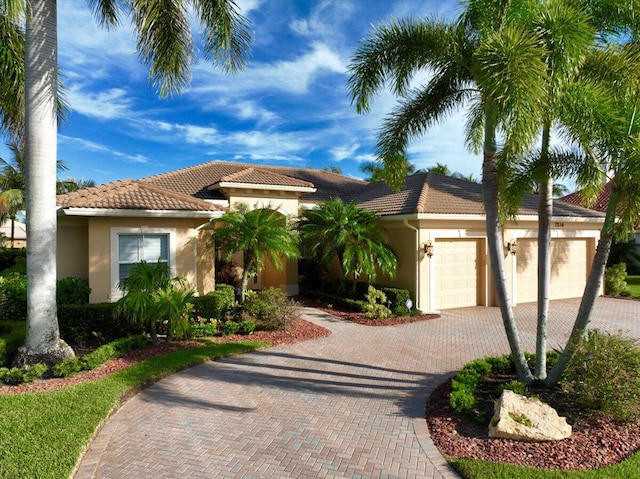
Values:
[(568, 269), (456, 273)]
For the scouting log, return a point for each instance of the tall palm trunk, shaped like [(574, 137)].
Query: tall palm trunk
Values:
[(545, 213), (13, 231), (591, 290), (495, 246), (43, 342)]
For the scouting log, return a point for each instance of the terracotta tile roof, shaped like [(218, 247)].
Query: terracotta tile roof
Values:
[(259, 176), (196, 180), (132, 195), (600, 204), (432, 193)]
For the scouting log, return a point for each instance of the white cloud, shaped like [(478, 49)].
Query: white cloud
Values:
[(344, 152), (111, 104), (250, 110), (99, 147)]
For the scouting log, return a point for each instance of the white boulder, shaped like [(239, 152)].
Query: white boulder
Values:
[(526, 419)]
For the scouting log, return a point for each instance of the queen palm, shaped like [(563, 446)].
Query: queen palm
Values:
[(259, 234), (164, 43), (479, 62), (350, 234)]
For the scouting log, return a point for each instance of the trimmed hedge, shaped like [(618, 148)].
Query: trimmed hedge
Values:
[(12, 336), (216, 304), (8, 257), (340, 292), (93, 322)]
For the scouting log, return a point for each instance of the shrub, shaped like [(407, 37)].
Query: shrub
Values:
[(34, 372), (247, 326), (267, 308), (204, 327), (12, 336), (515, 386), (615, 283), (13, 297), (604, 374), (480, 366), (462, 401), (375, 307), (10, 256), (68, 368), (215, 304), (113, 349), (93, 323), (230, 327), (12, 377), (72, 291)]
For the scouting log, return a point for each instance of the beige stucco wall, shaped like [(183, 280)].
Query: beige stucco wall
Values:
[(72, 255), (192, 258), (285, 202)]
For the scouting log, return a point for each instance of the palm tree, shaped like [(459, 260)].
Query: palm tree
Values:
[(164, 43), (153, 296), (11, 72), (479, 61), (258, 234), (350, 234), (379, 173), (68, 185)]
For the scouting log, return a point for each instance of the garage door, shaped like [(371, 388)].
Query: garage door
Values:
[(456, 273), (568, 269)]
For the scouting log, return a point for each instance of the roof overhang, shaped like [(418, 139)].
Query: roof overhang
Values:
[(138, 213), (475, 217)]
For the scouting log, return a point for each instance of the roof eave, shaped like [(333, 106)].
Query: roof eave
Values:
[(138, 213), (259, 186)]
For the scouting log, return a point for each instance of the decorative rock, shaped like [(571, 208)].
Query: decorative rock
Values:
[(526, 419)]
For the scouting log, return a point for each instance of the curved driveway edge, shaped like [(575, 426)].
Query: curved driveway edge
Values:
[(350, 405)]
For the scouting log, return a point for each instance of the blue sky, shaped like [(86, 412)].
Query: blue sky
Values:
[(289, 106)]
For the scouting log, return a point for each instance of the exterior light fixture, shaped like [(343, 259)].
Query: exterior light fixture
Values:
[(512, 247), (428, 248)]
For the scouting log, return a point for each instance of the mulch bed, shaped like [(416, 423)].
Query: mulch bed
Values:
[(297, 330), (360, 318), (597, 441)]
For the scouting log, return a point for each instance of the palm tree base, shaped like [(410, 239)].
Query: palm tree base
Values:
[(49, 356)]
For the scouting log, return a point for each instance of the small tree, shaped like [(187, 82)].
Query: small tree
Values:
[(260, 234), (351, 234), (152, 296)]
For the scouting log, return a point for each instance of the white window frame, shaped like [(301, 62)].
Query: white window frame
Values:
[(116, 293)]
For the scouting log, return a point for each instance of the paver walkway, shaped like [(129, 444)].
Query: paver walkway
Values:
[(347, 406)]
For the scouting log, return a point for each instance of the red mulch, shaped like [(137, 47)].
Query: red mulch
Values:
[(297, 330), (596, 442), (360, 318)]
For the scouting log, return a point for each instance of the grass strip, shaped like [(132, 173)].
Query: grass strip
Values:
[(42, 435), (634, 285), (475, 469)]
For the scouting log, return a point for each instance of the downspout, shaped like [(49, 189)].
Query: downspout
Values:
[(416, 254)]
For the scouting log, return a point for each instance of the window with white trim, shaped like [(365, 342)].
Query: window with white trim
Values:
[(134, 248)]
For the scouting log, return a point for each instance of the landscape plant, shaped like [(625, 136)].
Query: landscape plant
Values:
[(152, 296), (615, 283), (258, 234), (376, 308)]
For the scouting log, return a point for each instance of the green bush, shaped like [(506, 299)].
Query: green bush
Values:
[(13, 297), (68, 368), (93, 323), (202, 327), (615, 280), (215, 304), (72, 291), (481, 366), (112, 350), (11, 377), (247, 326), (604, 374), (462, 401), (34, 372), (375, 307), (267, 308), (230, 327), (10, 256), (515, 386), (12, 336)]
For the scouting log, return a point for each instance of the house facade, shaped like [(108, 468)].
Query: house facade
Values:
[(436, 225)]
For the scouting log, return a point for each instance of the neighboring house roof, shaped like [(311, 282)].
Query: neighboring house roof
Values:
[(198, 180), (432, 193), (132, 195), (600, 203)]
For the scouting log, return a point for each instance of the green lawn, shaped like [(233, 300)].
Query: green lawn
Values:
[(42, 435), (634, 285), (472, 469)]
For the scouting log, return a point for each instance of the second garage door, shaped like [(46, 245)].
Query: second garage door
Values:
[(568, 269), (457, 282)]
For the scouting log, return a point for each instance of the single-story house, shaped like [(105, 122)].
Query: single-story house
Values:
[(436, 225)]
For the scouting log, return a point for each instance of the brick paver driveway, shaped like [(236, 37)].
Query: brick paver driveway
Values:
[(350, 405)]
